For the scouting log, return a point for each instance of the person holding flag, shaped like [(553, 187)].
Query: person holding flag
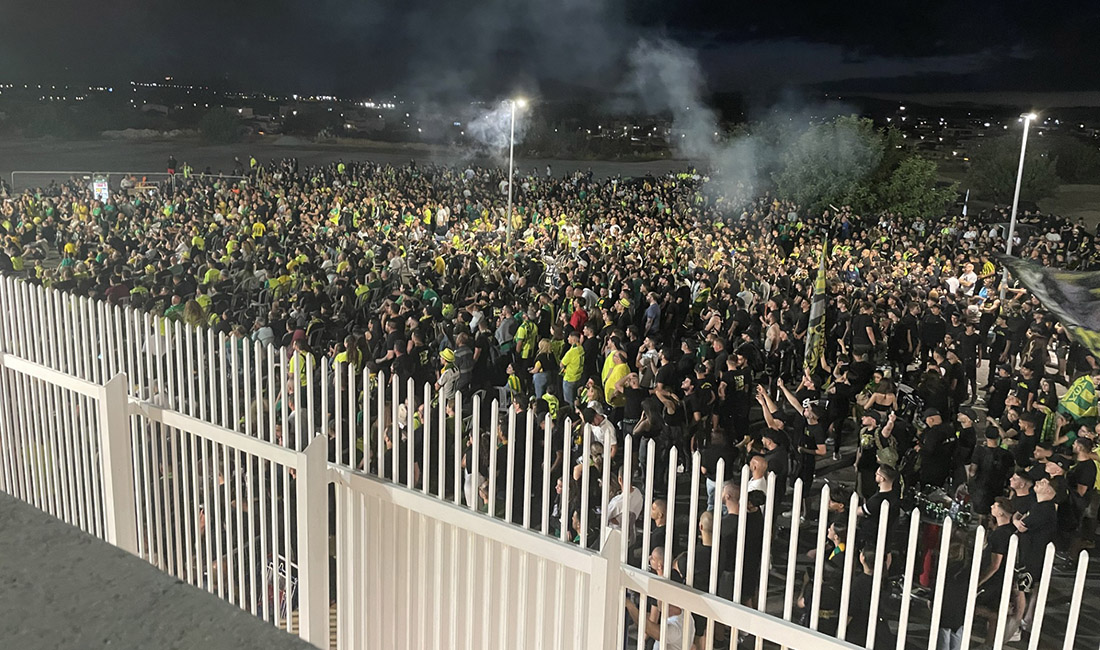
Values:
[(815, 334)]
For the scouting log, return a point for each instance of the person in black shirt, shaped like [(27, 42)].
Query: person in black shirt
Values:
[(717, 448), (812, 446), (992, 467), (864, 330), (860, 371), (969, 349), (840, 396), (998, 348), (991, 579), (1081, 480), (936, 449), (932, 330), (999, 386), (867, 531), (1037, 528), (876, 446)]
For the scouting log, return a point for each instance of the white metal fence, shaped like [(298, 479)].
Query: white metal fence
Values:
[(217, 460)]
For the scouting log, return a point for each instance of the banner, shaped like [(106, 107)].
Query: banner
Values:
[(1079, 402), (1073, 297), (815, 335)]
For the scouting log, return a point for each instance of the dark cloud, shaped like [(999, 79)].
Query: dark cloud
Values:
[(492, 47)]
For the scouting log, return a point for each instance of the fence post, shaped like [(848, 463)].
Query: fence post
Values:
[(313, 550), (605, 591), (119, 505)]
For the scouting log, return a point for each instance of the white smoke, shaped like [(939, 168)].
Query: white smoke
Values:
[(492, 127)]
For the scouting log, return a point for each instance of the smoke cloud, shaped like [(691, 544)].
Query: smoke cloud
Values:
[(666, 78), (492, 128)]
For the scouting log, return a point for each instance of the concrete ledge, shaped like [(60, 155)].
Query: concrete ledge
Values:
[(63, 589)]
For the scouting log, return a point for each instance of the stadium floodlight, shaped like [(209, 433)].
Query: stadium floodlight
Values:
[(513, 103), (1028, 118)]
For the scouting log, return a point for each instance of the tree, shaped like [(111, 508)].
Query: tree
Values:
[(993, 168), (1074, 161), (220, 127), (910, 191), (829, 163)]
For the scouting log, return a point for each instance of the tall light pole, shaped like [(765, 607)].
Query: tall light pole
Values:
[(1027, 118), (519, 101)]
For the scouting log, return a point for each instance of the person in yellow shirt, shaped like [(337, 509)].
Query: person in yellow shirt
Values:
[(211, 276), (301, 364), (572, 365), (619, 369)]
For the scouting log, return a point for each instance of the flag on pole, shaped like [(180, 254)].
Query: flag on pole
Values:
[(966, 201), (1073, 297), (1079, 402), (815, 335)]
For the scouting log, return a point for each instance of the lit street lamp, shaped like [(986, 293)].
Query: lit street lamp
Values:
[(511, 161), (1027, 117)]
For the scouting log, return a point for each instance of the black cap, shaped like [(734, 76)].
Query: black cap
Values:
[(970, 413), (1061, 461), (930, 412), (874, 415)]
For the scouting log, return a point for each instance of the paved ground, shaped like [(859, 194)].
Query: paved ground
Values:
[(62, 589), (152, 156)]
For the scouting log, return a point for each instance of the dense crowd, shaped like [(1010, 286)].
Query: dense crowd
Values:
[(649, 307)]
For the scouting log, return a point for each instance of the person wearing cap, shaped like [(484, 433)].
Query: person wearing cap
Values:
[(936, 448), (446, 385), (991, 467)]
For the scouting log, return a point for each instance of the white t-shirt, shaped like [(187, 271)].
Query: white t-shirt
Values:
[(674, 633), (970, 279), (615, 506), (604, 433)]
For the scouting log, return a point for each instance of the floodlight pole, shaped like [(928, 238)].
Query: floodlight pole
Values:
[(1015, 202), (511, 162)]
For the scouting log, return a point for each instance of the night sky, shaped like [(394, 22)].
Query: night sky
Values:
[(480, 48)]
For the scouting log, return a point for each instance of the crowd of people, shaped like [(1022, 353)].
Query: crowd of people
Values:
[(651, 307)]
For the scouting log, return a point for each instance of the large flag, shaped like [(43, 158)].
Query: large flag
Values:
[(1079, 402), (1073, 297), (815, 335)]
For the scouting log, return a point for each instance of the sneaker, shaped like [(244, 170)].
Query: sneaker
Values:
[(836, 455)]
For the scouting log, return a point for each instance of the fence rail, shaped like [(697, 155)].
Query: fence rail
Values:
[(213, 457), (60, 174)]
